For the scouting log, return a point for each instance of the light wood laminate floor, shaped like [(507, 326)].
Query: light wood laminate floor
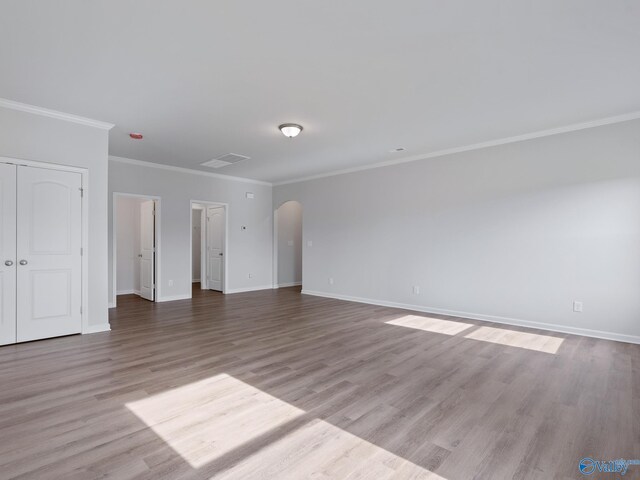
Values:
[(279, 385)]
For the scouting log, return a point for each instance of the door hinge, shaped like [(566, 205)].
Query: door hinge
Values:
[(81, 192), (81, 251), (80, 309)]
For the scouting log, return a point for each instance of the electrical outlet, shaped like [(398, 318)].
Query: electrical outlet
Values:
[(250, 275), (330, 280), (577, 306), (170, 283), (416, 290)]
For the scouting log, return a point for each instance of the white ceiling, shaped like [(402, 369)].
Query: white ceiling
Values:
[(201, 78)]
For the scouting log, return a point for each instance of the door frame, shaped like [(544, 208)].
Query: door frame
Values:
[(203, 244), (203, 276), (84, 241), (114, 247), (274, 246)]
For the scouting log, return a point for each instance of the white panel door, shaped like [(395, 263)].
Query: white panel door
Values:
[(147, 249), (7, 254), (49, 236), (215, 247)]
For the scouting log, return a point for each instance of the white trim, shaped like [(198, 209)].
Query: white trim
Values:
[(290, 284), (173, 298), (619, 337), (196, 280), (104, 327), (192, 171), (126, 292), (45, 112), (46, 165), (114, 251), (274, 248), (476, 146), (250, 289)]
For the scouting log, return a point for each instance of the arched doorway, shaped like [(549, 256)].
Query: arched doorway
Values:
[(287, 245)]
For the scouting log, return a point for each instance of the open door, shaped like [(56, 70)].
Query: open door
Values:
[(147, 249), (215, 247)]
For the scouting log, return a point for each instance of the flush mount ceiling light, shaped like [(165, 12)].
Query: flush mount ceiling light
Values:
[(290, 129), (136, 136)]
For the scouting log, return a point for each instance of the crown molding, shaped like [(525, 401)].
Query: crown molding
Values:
[(45, 112), (476, 146), (173, 168)]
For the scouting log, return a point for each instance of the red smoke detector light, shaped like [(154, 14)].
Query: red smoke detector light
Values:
[(136, 136)]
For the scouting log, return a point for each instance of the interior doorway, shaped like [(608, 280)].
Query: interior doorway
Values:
[(208, 245), (287, 245), (136, 249)]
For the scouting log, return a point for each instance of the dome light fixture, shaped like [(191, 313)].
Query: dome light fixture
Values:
[(290, 129)]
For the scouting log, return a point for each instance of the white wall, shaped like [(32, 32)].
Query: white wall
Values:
[(127, 245), (513, 233), (41, 138), (248, 251), (289, 244), (196, 243)]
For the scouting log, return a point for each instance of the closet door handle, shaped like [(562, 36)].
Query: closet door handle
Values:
[(23, 262), (8, 263)]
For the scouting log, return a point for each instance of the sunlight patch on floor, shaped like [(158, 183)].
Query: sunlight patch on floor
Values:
[(511, 338), (321, 450), (206, 420), (428, 324)]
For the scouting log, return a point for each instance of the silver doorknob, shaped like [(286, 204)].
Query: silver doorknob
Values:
[(8, 263), (140, 255), (23, 262)]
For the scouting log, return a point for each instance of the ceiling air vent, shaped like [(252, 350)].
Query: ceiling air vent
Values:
[(224, 160)]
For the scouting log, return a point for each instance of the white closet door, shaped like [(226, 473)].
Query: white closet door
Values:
[(7, 254), (48, 253)]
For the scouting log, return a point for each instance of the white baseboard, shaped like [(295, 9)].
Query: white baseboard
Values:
[(173, 298), (285, 285), (249, 289), (128, 292), (195, 280), (585, 332), (105, 327)]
